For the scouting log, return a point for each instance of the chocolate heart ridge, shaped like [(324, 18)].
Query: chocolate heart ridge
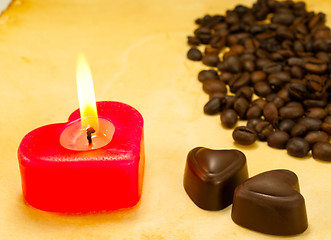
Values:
[(224, 173)]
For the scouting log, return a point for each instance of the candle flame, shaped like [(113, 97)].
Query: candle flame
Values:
[(86, 97)]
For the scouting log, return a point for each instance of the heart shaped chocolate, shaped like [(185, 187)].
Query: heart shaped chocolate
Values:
[(270, 203), (211, 176)]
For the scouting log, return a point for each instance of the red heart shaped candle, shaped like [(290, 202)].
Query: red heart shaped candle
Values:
[(85, 165)]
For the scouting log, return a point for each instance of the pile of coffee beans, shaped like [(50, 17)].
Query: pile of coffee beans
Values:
[(269, 64)]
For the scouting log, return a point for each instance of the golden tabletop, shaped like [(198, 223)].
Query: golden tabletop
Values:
[(137, 53)]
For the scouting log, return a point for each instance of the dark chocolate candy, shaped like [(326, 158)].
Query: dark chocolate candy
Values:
[(270, 203), (211, 176)]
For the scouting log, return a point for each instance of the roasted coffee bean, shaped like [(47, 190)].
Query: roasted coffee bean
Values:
[(245, 92), (294, 61), (314, 83), (297, 72), (312, 124), (278, 101), (254, 112), (251, 123), (270, 113), (203, 34), (193, 41), (283, 18), (228, 101), (226, 77), (323, 56), (229, 118), (248, 65), (258, 76), (262, 62), (326, 127), (210, 60), (262, 89), (291, 111), (317, 136), (194, 54), (207, 75), (230, 64), (212, 85), (239, 81), (315, 65), (322, 151), (241, 106), (211, 51), (297, 147), (298, 130), (278, 139), (297, 90), (283, 94), (237, 49), (263, 130), (286, 125), (244, 135), (260, 102), (318, 113), (217, 95), (310, 103), (213, 106)]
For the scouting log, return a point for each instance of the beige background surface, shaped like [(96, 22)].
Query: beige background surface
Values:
[(136, 50)]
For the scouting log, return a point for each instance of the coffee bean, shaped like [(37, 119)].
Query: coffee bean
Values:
[(263, 130), (260, 102), (226, 77), (251, 123), (286, 125), (207, 75), (244, 135), (212, 85), (297, 90), (312, 124), (229, 118), (297, 72), (322, 151), (248, 65), (230, 64), (270, 113), (278, 139), (217, 95), (297, 147), (262, 89), (239, 81), (254, 112), (210, 60), (245, 92), (317, 136), (258, 76), (228, 101), (194, 54), (318, 113), (193, 41), (283, 18), (291, 111), (213, 106), (315, 65), (298, 130), (314, 82), (241, 106), (326, 127)]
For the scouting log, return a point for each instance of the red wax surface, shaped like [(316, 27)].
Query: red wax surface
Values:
[(57, 179)]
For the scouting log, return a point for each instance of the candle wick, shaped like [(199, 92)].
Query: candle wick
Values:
[(89, 132)]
